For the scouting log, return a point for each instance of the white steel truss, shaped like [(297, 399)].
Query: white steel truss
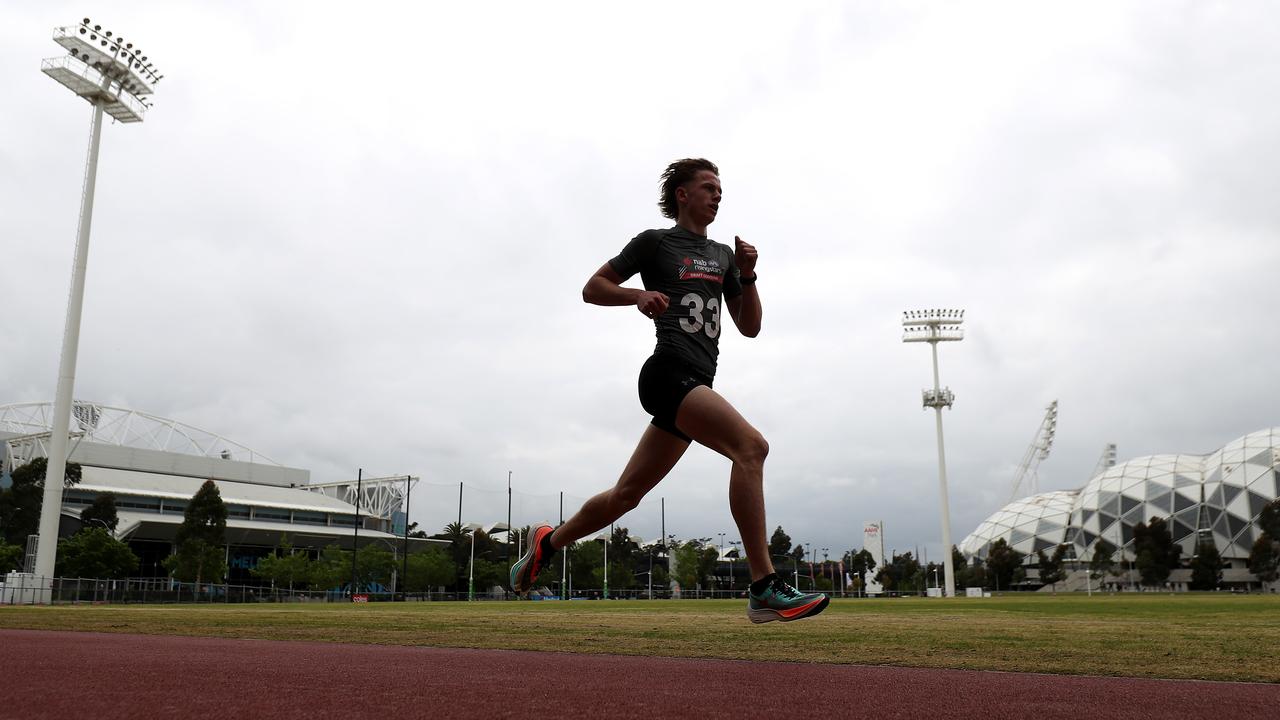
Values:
[(1027, 478), (19, 451), (378, 497), (124, 428)]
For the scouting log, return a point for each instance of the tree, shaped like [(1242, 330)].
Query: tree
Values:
[(1103, 560), (623, 556), (780, 544), (686, 572), (1206, 566), (798, 554), (1269, 519), (20, 503), (1155, 554), (1264, 558), (428, 569), (284, 567), (861, 563), (964, 576), (708, 558), (586, 564), (201, 539), (10, 557), (488, 574), (102, 512), (459, 551), (1003, 564), (901, 574), (1051, 571), (332, 570), (374, 566), (94, 553)]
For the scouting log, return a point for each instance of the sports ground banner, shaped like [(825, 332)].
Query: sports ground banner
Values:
[(873, 542)]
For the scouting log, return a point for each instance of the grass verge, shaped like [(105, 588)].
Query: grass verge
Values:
[(1193, 636)]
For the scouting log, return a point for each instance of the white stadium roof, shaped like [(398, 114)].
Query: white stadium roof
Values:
[(96, 479)]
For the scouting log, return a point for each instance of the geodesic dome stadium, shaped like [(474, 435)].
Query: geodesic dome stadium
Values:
[(1239, 480), (1038, 522), (1218, 496), (1109, 505)]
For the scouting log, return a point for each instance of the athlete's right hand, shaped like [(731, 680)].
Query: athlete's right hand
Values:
[(652, 304)]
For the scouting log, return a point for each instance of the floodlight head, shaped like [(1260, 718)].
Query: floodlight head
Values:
[(102, 72), (933, 317)]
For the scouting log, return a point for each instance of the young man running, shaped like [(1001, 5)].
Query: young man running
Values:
[(685, 275)]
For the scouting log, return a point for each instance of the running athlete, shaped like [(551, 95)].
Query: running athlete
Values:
[(685, 277)]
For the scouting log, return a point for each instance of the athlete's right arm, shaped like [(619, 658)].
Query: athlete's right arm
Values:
[(605, 288)]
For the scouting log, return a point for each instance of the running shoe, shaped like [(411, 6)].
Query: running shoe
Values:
[(780, 601), (526, 569)]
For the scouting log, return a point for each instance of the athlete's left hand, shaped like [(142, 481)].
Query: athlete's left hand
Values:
[(744, 255)]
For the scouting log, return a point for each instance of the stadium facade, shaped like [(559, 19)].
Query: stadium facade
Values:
[(154, 466), (1217, 497)]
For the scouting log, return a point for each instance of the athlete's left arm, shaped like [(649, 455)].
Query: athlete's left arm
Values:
[(745, 309)]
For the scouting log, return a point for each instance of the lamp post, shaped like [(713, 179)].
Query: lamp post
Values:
[(355, 541), (733, 566), (115, 78), (824, 565), (506, 550), (471, 564), (404, 571), (651, 551), (933, 327), (721, 548), (605, 538)]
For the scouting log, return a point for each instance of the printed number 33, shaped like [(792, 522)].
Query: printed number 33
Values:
[(694, 322)]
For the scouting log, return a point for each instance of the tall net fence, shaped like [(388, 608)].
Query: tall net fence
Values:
[(435, 505)]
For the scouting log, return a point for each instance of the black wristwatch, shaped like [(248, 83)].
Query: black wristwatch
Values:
[(749, 281)]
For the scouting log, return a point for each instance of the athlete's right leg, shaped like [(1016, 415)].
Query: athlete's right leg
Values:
[(657, 452), (708, 418)]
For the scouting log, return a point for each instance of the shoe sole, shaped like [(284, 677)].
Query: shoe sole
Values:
[(521, 582), (764, 615)]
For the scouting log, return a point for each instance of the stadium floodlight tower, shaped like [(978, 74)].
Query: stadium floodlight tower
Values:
[(115, 78), (933, 327)]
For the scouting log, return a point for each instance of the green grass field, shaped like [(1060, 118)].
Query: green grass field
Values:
[(1206, 636)]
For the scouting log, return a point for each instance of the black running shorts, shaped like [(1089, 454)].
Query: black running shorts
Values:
[(664, 381)]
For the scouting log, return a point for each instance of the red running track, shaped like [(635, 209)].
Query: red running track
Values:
[(103, 676)]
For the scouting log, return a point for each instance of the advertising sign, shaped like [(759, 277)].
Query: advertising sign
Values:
[(873, 542)]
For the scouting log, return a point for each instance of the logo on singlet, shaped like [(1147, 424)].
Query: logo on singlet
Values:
[(700, 269)]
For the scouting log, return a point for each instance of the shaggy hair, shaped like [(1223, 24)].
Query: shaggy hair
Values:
[(678, 173)]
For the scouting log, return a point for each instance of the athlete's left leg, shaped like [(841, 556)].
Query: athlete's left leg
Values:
[(654, 456)]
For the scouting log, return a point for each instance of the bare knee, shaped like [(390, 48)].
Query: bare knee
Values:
[(752, 450), (625, 498)]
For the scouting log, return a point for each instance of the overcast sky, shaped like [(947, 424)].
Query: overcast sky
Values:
[(357, 239)]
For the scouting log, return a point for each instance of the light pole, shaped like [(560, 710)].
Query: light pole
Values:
[(651, 551), (721, 548), (471, 564), (114, 77), (813, 581), (933, 327), (404, 572), (824, 565), (606, 560), (732, 565), (506, 551)]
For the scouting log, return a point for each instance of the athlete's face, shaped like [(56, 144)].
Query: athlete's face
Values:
[(699, 198)]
